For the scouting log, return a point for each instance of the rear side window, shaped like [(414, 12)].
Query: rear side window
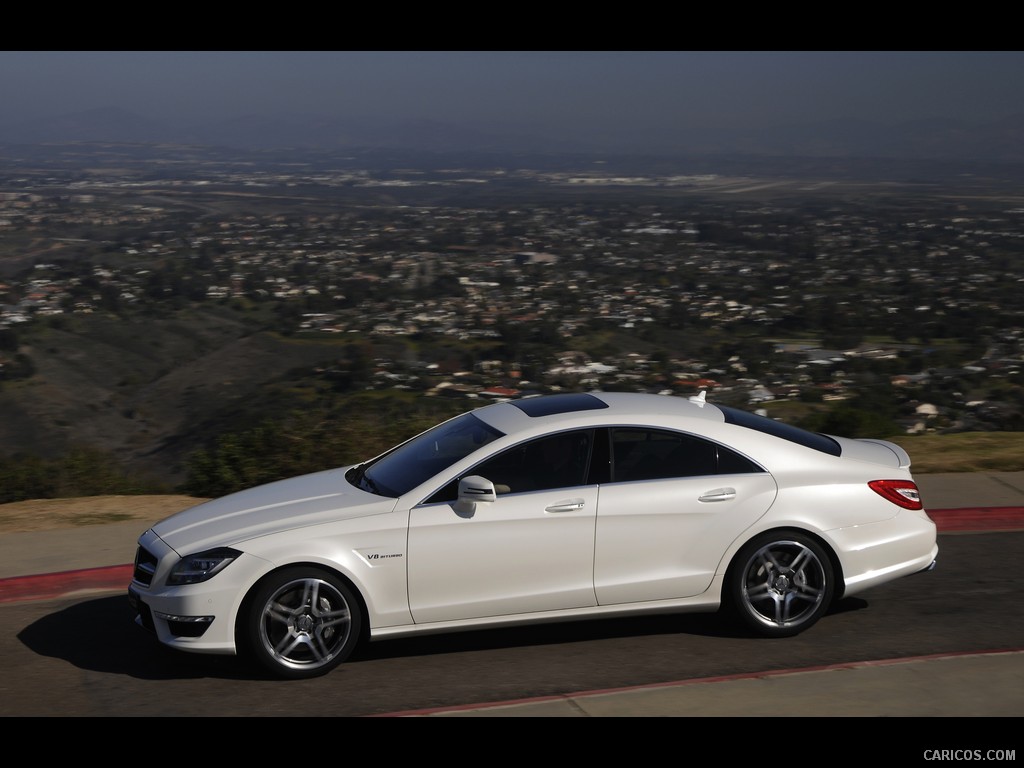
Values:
[(814, 440), (651, 454)]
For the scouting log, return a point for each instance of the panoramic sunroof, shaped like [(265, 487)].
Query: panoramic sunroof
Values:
[(552, 404)]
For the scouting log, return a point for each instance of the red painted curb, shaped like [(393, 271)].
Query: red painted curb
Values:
[(978, 519), (50, 585)]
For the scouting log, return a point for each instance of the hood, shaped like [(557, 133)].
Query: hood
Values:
[(294, 503), (880, 452)]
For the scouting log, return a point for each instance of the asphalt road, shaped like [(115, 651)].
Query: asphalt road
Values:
[(85, 657)]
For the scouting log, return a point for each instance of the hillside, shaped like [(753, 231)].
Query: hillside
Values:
[(147, 391), (151, 392)]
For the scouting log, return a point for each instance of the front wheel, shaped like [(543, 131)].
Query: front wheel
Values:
[(781, 583), (302, 622)]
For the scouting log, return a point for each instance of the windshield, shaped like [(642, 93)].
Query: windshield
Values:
[(424, 456)]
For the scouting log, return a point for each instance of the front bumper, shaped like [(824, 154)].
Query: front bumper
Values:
[(194, 617)]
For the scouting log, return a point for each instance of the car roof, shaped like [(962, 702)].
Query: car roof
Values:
[(567, 410)]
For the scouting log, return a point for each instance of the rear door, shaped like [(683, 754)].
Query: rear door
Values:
[(674, 504)]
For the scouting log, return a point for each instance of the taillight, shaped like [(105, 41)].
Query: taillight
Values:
[(903, 493)]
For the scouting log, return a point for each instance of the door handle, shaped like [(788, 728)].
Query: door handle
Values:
[(565, 506), (718, 494)]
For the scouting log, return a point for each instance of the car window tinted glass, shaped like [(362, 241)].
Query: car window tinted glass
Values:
[(567, 403), (650, 454), (814, 440), (556, 461), (421, 458)]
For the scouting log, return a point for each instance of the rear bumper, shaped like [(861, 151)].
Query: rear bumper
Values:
[(881, 552)]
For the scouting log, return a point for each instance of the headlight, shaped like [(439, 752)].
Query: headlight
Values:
[(201, 566)]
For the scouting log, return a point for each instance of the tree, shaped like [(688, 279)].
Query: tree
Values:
[(8, 340)]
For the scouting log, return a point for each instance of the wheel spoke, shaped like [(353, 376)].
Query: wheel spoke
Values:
[(768, 561), (758, 592), (334, 618), (319, 646), (280, 613), (781, 609), (289, 642), (804, 558), (806, 591)]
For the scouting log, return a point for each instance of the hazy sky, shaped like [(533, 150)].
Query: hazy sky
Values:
[(548, 91)]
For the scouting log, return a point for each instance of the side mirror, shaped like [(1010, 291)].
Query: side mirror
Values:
[(474, 489)]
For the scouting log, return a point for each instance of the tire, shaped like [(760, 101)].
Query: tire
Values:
[(781, 583), (302, 623)]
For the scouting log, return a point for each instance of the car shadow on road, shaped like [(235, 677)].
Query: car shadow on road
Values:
[(101, 635), (708, 625)]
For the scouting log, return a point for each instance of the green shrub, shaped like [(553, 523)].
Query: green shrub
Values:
[(79, 472)]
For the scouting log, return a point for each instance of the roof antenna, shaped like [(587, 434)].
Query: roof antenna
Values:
[(700, 398)]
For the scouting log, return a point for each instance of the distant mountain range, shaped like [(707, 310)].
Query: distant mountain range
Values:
[(946, 140)]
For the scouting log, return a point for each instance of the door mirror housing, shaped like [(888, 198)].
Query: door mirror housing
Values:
[(473, 490)]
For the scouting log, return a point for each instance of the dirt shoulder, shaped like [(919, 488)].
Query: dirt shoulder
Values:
[(51, 514)]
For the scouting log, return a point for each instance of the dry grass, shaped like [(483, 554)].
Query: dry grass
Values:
[(49, 514), (965, 452)]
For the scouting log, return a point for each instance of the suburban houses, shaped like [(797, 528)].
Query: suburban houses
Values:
[(684, 288)]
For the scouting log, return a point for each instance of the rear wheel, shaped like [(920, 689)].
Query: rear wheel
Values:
[(781, 583), (303, 622)]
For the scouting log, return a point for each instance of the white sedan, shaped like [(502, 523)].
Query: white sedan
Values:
[(553, 508)]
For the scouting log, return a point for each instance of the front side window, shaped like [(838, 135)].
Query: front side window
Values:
[(555, 461)]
